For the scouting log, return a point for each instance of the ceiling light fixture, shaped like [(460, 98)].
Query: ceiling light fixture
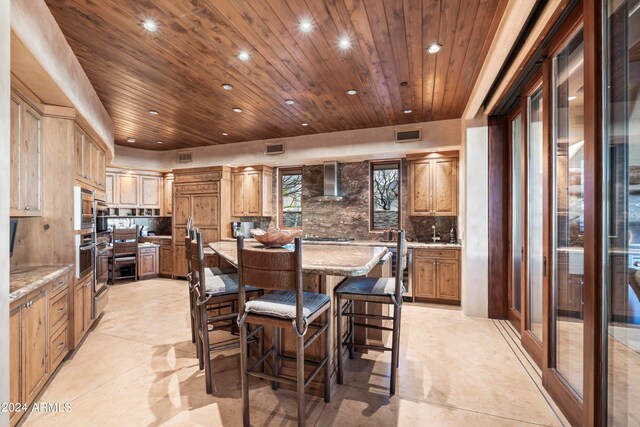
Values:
[(131, 139), (352, 92), (150, 25), (434, 48), (305, 124), (227, 86), (237, 110), (305, 25), (408, 111), (159, 142), (244, 56), (344, 42), (289, 101), (153, 112), (571, 98), (225, 134)]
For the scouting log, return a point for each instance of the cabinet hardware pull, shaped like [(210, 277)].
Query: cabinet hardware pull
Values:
[(60, 310), (61, 345), (26, 208)]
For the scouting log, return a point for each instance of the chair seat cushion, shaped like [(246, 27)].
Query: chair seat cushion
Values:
[(283, 304), (222, 284), (369, 286)]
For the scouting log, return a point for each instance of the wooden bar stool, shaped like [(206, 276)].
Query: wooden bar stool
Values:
[(215, 292), (287, 306), (387, 290)]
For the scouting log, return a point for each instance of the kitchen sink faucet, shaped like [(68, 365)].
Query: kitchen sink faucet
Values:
[(435, 238)]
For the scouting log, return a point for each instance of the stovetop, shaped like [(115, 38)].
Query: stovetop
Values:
[(328, 239)]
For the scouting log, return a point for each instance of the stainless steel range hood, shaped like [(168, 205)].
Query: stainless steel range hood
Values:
[(331, 183)]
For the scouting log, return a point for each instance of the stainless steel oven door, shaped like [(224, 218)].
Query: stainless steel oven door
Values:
[(83, 206), (85, 254), (102, 216)]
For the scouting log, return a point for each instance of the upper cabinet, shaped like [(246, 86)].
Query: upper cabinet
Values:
[(168, 194), (90, 160), (433, 184), (251, 191), (126, 189), (26, 159)]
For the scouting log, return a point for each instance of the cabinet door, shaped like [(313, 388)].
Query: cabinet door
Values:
[(424, 277), (421, 195), (31, 163), (110, 182), (205, 210), (15, 203), (79, 149), (150, 191), (87, 158), (448, 278), (127, 190), (445, 187), (87, 298), (252, 193), (98, 167), (181, 210), (168, 196), (15, 359), (179, 261), (78, 312), (237, 194), (166, 261), (148, 263), (35, 333)]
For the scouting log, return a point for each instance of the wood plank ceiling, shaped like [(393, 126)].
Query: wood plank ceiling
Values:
[(179, 69)]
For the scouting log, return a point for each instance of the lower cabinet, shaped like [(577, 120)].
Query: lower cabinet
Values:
[(436, 275), (148, 262), (166, 259), (82, 308), (38, 341)]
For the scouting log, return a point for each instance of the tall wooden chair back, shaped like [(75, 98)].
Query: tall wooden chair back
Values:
[(272, 269), (125, 242), (191, 235), (401, 263), (197, 265)]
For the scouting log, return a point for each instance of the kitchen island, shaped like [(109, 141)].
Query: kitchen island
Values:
[(324, 267)]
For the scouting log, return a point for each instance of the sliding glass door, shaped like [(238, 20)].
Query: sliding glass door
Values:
[(517, 221)]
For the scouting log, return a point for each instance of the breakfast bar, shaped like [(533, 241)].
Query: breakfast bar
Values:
[(324, 266)]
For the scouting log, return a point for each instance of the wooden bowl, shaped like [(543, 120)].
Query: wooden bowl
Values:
[(274, 237)]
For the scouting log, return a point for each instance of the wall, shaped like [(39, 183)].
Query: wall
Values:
[(346, 146), (5, 90)]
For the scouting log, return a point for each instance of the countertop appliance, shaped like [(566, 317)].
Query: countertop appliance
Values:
[(245, 228), (83, 209)]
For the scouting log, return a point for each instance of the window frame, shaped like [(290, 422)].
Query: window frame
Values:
[(372, 165), (281, 173)]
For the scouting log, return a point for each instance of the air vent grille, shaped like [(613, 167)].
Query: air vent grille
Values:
[(185, 156), (271, 149), (408, 135)]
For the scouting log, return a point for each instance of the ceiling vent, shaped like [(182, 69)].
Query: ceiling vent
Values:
[(271, 149), (408, 135), (185, 156)]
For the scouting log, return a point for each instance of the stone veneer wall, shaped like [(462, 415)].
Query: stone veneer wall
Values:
[(350, 217)]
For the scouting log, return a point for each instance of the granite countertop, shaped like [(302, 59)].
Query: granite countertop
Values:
[(376, 243), (325, 259), (24, 280)]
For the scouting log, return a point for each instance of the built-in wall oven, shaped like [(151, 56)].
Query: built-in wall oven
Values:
[(101, 296), (83, 209), (85, 254)]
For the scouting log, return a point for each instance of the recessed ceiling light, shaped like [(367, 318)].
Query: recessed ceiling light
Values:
[(225, 134), (150, 25), (352, 92), (408, 111), (289, 101), (153, 112), (237, 110), (227, 86), (434, 48), (305, 25), (571, 98), (159, 142), (130, 139), (344, 42), (305, 124), (244, 56)]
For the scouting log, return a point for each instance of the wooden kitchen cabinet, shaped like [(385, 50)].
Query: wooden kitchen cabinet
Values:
[(148, 262), (127, 191), (99, 168), (433, 184), (82, 308), (25, 193), (91, 161), (130, 190), (166, 259), (168, 194), (110, 188), (436, 275), (150, 191), (251, 191), (15, 361)]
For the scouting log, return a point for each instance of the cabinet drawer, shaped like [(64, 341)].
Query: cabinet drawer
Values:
[(197, 188), (59, 346), (436, 253), (59, 284), (148, 250), (59, 309), (198, 177)]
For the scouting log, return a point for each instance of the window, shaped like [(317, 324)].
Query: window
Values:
[(291, 198), (385, 195)]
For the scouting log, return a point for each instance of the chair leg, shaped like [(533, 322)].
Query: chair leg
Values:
[(193, 326), (395, 347), (275, 332), (204, 348), (328, 347), (244, 377), (300, 380), (339, 339), (198, 324), (352, 329)]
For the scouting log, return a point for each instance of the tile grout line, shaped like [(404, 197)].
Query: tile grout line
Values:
[(544, 396)]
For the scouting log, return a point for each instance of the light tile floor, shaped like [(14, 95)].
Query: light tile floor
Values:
[(138, 368)]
